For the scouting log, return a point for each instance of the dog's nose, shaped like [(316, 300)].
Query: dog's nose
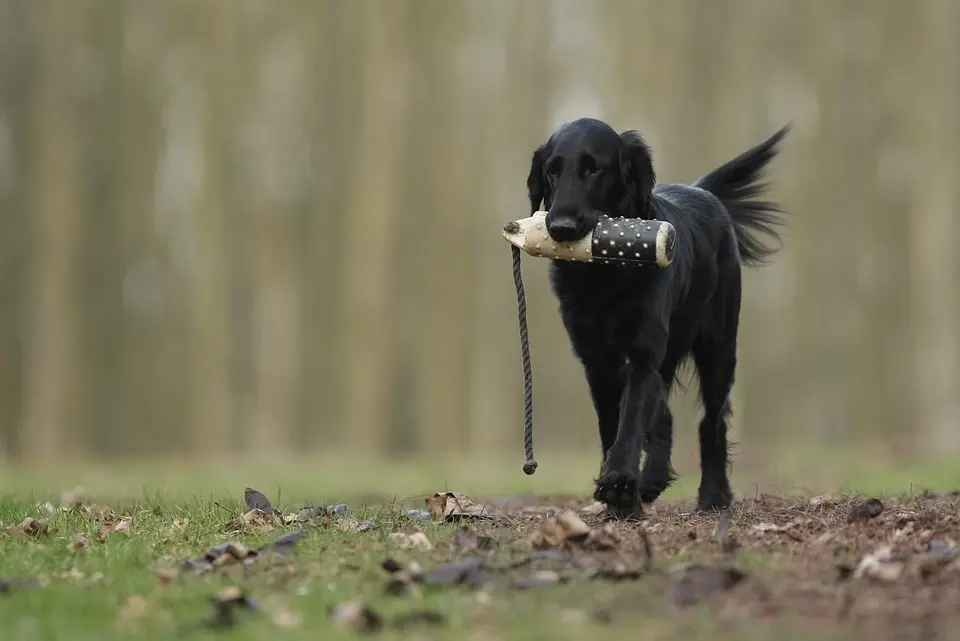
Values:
[(562, 228)]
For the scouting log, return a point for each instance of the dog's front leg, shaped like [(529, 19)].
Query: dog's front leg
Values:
[(619, 483)]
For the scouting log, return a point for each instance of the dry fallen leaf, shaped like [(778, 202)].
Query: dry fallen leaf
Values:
[(256, 516), (29, 527), (788, 529), (452, 506), (417, 540), (881, 565), (179, 525), (101, 512), (350, 524), (568, 529), (294, 518), (594, 509), (108, 527), (825, 500)]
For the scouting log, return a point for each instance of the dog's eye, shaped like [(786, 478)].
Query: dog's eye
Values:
[(554, 168), (589, 166)]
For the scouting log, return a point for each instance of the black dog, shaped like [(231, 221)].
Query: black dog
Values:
[(632, 327)]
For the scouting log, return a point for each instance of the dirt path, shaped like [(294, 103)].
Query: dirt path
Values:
[(886, 569)]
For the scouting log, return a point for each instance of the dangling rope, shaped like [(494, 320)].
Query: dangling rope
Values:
[(530, 465)]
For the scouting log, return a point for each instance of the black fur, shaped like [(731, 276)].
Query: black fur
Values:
[(633, 327)]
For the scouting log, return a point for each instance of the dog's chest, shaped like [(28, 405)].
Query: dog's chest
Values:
[(600, 300)]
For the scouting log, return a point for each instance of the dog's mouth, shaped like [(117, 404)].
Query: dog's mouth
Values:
[(569, 231)]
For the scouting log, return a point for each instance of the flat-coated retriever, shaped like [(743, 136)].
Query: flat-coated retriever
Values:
[(632, 327)]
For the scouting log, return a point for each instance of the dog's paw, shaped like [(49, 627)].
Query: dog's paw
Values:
[(649, 492), (620, 492), (714, 498)]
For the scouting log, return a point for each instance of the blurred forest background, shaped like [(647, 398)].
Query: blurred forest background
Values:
[(237, 227)]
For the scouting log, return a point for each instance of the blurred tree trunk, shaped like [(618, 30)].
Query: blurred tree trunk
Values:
[(50, 428), (933, 223), (280, 183), (146, 392), (17, 53), (208, 317), (443, 269), (498, 190), (372, 214), (332, 105)]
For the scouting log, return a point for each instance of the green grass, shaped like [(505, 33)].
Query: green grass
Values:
[(338, 477), (84, 592)]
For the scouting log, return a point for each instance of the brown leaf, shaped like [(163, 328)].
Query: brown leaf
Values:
[(825, 500), (101, 512), (294, 518), (256, 516), (179, 525), (108, 528), (350, 524), (594, 509), (231, 553), (865, 510), (881, 565), (764, 528), (453, 506), (29, 527), (568, 529), (417, 540)]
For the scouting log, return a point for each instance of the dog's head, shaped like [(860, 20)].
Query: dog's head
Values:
[(586, 170)]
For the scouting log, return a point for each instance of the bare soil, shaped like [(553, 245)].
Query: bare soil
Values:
[(854, 567)]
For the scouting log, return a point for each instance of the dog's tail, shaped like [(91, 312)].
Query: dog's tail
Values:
[(735, 183)]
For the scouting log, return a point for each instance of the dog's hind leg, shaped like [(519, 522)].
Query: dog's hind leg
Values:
[(715, 355)]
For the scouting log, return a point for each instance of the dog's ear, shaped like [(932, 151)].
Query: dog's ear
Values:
[(636, 170), (536, 181)]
